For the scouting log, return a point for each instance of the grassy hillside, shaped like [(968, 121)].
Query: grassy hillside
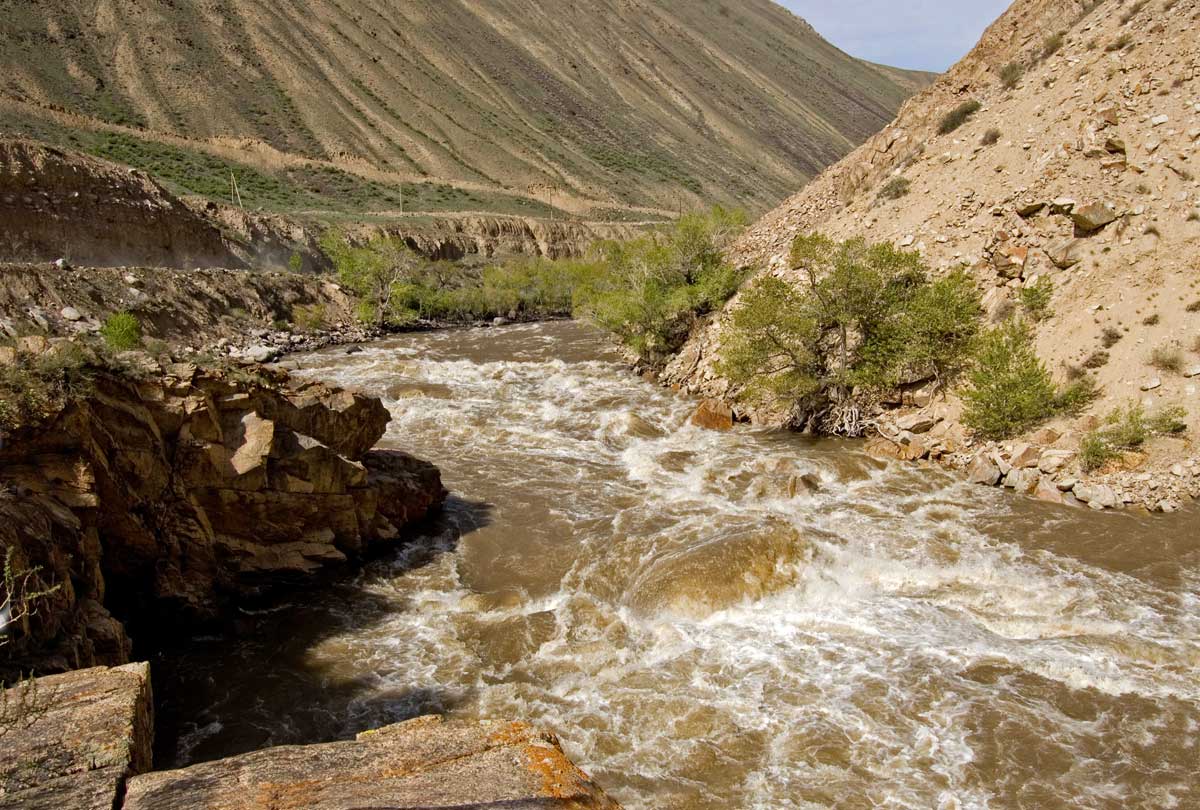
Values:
[(616, 106)]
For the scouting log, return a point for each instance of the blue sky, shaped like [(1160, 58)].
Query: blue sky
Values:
[(921, 34)]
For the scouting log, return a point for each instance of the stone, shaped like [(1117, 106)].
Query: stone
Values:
[(1045, 437), (983, 471), (1028, 208), (1159, 120), (1062, 205), (1093, 217), (713, 415), (1047, 491), (1066, 254), (1152, 384), (1052, 461), (1192, 371), (261, 353), (8, 355), (95, 729), (1009, 260), (1115, 145), (917, 423), (1023, 481), (423, 763), (1024, 457), (71, 314), (1097, 496), (909, 448)]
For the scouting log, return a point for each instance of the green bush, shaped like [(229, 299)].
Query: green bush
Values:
[(1128, 429), (895, 188), (1035, 299), (1010, 388), (35, 385), (861, 320), (122, 331), (1010, 74), (1053, 44), (650, 290), (958, 116)]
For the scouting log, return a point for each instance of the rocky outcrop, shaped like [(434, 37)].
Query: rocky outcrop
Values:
[(424, 763), (72, 740), (172, 491), (197, 307), (56, 204)]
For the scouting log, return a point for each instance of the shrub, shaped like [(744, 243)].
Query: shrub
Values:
[(296, 262), (1035, 299), (1111, 337), (649, 291), (958, 116), (36, 385), (1096, 360), (311, 317), (991, 137), (1127, 429), (1053, 44), (895, 188), (122, 331), (1080, 392), (1010, 389), (1010, 75), (1167, 358), (1194, 306), (1120, 43), (377, 272), (863, 319)]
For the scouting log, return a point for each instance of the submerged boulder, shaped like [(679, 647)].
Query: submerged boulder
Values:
[(713, 415)]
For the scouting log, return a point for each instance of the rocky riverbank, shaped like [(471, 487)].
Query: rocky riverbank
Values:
[(171, 490)]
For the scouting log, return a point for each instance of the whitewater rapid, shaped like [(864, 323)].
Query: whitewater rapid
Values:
[(705, 634)]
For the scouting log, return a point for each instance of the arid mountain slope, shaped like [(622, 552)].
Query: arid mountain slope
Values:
[(1104, 109), (595, 107)]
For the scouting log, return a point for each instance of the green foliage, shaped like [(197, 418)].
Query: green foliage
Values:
[(36, 385), (1035, 299), (380, 273), (649, 291), (310, 317), (1010, 388), (1074, 398), (296, 262), (1010, 74), (122, 331), (863, 319), (1053, 44), (895, 188), (1127, 429), (958, 116)]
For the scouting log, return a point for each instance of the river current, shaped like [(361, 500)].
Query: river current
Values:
[(746, 621)]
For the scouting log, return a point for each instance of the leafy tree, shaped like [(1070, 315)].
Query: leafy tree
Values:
[(1010, 389), (382, 273), (648, 291), (860, 320)]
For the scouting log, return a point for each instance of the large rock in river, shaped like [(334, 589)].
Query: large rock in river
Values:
[(425, 763), (71, 741)]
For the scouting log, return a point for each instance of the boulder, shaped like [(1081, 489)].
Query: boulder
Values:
[(1093, 217), (1062, 206), (424, 763), (1066, 254), (713, 415), (1047, 491), (1010, 260), (1024, 456), (71, 314), (917, 423), (1152, 384), (261, 353), (1024, 481), (983, 471), (1097, 496), (1052, 461), (1028, 208), (908, 448), (88, 731)]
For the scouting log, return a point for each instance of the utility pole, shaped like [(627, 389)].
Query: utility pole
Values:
[(237, 195)]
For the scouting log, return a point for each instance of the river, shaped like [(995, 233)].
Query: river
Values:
[(704, 629)]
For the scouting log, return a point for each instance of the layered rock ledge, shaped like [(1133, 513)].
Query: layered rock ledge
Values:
[(174, 491)]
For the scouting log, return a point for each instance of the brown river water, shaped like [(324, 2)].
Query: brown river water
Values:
[(704, 635)]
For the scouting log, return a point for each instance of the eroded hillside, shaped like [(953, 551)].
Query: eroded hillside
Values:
[(615, 109), (1078, 167)]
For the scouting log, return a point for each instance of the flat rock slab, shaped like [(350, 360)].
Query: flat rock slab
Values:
[(424, 763), (78, 738)]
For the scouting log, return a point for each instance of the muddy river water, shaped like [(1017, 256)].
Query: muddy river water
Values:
[(708, 628)]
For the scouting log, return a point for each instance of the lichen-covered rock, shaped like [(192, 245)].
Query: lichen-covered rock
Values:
[(76, 739), (424, 763)]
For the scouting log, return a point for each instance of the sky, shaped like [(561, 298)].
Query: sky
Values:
[(919, 34)]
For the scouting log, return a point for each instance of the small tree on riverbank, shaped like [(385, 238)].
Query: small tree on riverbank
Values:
[(379, 272), (859, 320), (648, 291)]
